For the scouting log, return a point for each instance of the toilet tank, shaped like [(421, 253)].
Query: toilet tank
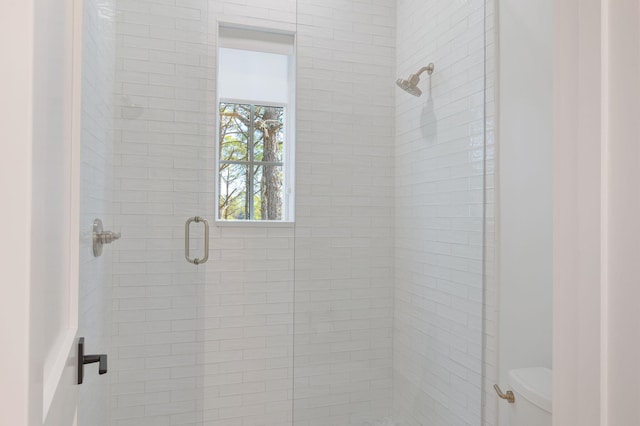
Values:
[(532, 390)]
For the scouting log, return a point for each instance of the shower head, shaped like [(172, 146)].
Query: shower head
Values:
[(411, 85)]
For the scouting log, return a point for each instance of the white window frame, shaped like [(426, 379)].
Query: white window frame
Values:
[(288, 160)]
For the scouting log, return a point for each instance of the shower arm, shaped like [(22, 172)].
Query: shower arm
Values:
[(429, 69)]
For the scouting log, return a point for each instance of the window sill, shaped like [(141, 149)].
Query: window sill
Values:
[(255, 223)]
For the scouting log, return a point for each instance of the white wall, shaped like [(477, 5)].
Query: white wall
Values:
[(16, 114), (525, 185), (580, 185), (439, 176), (623, 192)]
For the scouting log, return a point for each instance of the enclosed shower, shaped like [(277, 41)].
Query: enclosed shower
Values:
[(301, 242)]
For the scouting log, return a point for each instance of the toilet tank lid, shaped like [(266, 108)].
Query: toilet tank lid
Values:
[(534, 384)]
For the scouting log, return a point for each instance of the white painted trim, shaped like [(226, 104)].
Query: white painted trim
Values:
[(56, 360), (53, 370), (621, 324), (76, 143)]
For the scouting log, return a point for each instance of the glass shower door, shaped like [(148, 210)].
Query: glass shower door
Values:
[(148, 150), (189, 343)]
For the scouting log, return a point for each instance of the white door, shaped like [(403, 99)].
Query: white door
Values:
[(53, 389)]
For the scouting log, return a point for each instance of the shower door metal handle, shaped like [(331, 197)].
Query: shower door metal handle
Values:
[(205, 222)]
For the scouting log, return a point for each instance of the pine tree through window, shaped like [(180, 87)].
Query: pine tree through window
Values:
[(251, 166)]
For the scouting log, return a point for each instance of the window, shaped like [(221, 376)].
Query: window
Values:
[(255, 126), (251, 162)]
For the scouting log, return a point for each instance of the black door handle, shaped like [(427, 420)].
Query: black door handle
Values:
[(89, 359)]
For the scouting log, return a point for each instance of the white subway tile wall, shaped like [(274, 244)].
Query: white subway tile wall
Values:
[(98, 56), (344, 229), (439, 238)]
